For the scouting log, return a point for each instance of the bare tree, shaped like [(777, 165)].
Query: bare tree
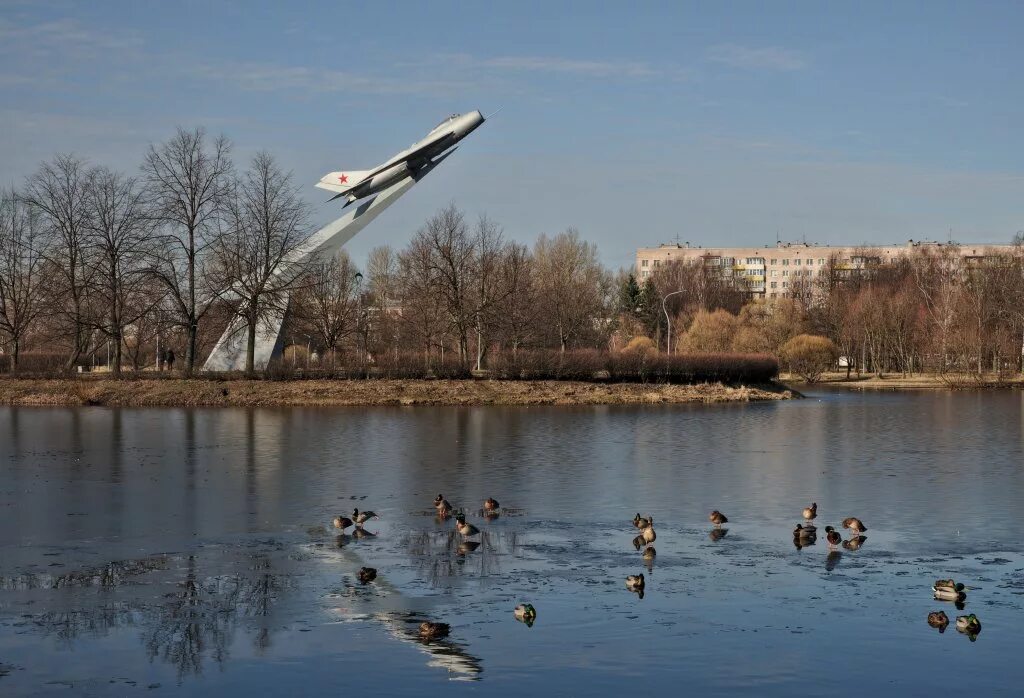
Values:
[(58, 192), (117, 243), (489, 284), (255, 257), (570, 286), (21, 259), (189, 182), (327, 302), (451, 253), (516, 313)]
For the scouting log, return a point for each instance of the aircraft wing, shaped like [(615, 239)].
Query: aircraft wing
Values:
[(436, 146)]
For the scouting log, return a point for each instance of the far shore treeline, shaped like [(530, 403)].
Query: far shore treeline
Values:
[(100, 268)]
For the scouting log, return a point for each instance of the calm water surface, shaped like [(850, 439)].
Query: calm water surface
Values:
[(177, 551)]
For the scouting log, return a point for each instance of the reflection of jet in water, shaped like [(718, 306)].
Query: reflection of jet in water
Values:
[(401, 623)]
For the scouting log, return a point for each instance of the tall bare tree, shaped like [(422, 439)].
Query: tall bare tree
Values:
[(21, 259), (189, 181), (118, 244), (58, 192), (255, 257), (570, 284), (447, 239), (327, 301)]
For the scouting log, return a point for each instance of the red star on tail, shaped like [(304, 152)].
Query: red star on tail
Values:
[(343, 178)]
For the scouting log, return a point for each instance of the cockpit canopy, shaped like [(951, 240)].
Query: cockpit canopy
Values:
[(453, 117)]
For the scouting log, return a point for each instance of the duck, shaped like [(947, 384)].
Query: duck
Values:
[(649, 553), (443, 506), (635, 582), (641, 522), (718, 518), (367, 574), (947, 584), (342, 522), (854, 543), (832, 536), (434, 631), (491, 504), (954, 594), (648, 535), (938, 619), (969, 625), (361, 517), (526, 613), (466, 529), (811, 512), (855, 525)]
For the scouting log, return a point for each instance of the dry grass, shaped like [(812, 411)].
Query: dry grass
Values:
[(254, 393)]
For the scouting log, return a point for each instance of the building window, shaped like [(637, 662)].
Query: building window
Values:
[(785, 262), (657, 262), (643, 262), (796, 262), (645, 273), (785, 272), (810, 262), (775, 261), (785, 284), (821, 261), (774, 284), (774, 273)]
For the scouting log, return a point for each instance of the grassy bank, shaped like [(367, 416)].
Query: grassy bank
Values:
[(915, 382), (143, 392)]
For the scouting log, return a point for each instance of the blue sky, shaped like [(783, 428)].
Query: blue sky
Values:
[(722, 123)]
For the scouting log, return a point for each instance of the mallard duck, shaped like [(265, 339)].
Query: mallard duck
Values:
[(635, 582), (649, 535), (491, 504), (938, 619), (342, 522), (855, 525), (641, 522), (947, 584), (367, 574), (854, 543), (467, 546), (969, 625), (434, 631), (811, 512), (832, 536), (649, 553), (950, 594), (526, 613), (807, 531), (718, 518), (466, 529), (361, 517), (443, 506)]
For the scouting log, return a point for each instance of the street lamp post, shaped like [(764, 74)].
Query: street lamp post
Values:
[(668, 322)]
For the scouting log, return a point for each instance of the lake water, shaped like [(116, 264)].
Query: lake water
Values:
[(181, 551)]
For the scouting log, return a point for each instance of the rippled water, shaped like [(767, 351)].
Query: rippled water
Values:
[(175, 551)]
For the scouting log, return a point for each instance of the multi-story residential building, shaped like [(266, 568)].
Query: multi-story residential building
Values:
[(770, 272)]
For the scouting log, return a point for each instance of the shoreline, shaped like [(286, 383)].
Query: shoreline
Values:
[(899, 382), (240, 392)]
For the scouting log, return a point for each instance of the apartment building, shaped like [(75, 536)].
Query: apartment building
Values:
[(770, 272)]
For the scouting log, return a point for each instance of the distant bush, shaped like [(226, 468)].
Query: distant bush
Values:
[(35, 364), (549, 364), (693, 368), (809, 355)]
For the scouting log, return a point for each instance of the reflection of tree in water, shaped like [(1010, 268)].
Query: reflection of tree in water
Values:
[(441, 555), (197, 620)]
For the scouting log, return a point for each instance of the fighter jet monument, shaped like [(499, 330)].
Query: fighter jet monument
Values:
[(376, 189)]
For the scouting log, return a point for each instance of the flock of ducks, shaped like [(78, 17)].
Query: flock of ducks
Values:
[(804, 534)]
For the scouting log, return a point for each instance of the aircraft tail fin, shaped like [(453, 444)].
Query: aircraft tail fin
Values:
[(341, 182)]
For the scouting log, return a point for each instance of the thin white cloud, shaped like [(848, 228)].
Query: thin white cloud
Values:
[(65, 36), (257, 77), (589, 68), (772, 58)]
